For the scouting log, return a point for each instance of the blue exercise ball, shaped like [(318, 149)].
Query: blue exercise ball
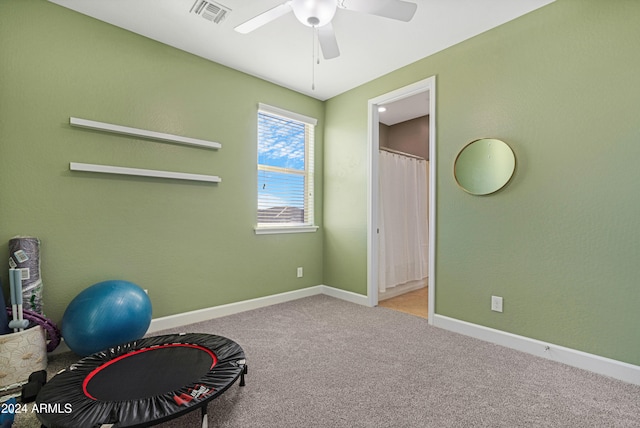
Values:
[(104, 315)]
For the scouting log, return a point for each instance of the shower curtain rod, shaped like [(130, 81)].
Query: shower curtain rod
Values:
[(398, 152)]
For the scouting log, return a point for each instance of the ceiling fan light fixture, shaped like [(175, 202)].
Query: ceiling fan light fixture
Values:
[(314, 13)]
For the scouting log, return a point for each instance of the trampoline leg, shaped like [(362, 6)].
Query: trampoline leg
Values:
[(205, 421), (244, 372)]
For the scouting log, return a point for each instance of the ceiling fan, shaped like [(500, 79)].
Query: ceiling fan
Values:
[(319, 13)]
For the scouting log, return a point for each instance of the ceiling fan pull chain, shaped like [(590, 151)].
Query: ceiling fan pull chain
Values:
[(317, 44), (313, 59)]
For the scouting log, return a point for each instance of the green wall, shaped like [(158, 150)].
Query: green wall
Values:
[(191, 244), (561, 243)]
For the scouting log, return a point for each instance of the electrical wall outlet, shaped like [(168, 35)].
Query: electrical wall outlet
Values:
[(496, 303), (299, 272)]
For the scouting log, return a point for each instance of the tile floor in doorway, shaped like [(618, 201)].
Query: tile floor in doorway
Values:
[(413, 302)]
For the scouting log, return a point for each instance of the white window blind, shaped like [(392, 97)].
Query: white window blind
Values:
[(285, 168)]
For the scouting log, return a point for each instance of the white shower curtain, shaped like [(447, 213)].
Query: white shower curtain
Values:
[(402, 218)]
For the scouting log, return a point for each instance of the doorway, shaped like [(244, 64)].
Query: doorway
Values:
[(414, 99)]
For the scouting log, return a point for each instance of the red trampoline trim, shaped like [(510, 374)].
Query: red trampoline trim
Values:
[(95, 371)]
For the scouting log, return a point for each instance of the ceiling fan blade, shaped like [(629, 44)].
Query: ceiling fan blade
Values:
[(328, 42), (264, 18), (394, 9)]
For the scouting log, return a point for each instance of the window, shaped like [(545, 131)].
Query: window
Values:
[(285, 171)]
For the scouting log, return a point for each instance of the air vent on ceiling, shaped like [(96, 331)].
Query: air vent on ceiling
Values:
[(211, 11)]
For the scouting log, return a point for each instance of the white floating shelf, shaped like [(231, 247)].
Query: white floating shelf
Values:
[(108, 169), (125, 130)]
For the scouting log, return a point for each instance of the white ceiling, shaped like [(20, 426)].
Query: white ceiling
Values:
[(281, 51), (405, 109)]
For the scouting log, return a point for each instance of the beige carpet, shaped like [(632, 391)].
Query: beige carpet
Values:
[(323, 362)]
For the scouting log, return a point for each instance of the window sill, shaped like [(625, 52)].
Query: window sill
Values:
[(270, 230)]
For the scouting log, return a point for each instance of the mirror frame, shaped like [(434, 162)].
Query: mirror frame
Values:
[(502, 183)]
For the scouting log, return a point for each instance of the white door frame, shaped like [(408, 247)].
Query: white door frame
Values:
[(427, 86)]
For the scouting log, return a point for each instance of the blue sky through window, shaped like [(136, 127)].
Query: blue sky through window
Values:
[(281, 144)]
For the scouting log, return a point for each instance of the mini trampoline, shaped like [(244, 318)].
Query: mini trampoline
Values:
[(142, 383)]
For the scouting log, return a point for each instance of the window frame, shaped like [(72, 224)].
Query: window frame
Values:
[(309, 172)]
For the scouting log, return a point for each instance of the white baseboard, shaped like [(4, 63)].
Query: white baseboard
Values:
[(605, 366), (345, 295), (186, 318), (593, 363), (398, 290)]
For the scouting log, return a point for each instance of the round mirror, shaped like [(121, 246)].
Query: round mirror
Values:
[(484, 166)]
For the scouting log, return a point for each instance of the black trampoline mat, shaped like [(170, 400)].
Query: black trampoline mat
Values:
[(149, 372)]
